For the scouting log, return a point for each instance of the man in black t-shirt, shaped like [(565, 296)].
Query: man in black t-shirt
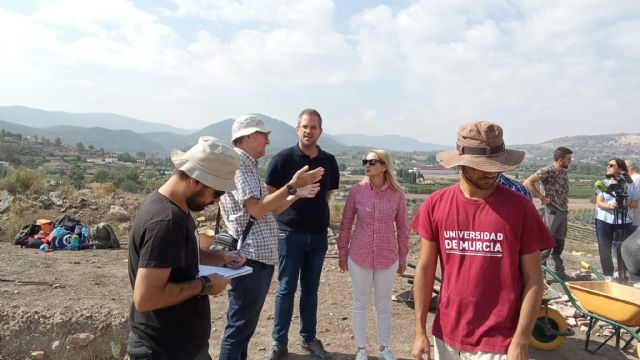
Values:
[(303, 236), (170, 316)]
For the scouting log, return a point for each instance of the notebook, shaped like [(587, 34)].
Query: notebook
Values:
[(226, 272)]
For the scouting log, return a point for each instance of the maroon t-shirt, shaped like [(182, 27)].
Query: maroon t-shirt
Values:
[(479, 244)]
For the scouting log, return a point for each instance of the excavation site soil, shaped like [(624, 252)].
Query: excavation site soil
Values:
[(74, 304)]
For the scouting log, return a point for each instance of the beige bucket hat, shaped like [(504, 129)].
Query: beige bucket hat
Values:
[(247, 125), (480, 146), (210, 161)]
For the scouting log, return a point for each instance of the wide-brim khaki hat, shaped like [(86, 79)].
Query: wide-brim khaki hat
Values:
[(210, 161), (481, 146), (247, 125)]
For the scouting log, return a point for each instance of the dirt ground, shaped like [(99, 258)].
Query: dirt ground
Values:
[(74, 305)]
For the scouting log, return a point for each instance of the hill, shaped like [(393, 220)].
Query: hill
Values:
[(389, 142), (38, 118), (109, 140), (119, 133), (589, 148)]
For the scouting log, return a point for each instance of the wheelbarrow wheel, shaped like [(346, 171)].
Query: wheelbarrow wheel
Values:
[(545, 337)]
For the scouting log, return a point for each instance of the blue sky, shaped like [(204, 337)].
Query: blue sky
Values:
[(541, 69)]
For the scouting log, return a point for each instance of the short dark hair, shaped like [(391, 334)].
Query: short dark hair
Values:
[(313, 112), (181, 175), (561, 152)]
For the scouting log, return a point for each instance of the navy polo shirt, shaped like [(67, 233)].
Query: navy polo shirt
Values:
[(309, 215)]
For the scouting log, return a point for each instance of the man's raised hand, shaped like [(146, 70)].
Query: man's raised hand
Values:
[(304, 177)]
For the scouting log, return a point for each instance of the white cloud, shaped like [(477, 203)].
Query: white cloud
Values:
[(310, 15), (542, 69)]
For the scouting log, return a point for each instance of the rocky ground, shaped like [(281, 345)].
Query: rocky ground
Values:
[(74, 305)]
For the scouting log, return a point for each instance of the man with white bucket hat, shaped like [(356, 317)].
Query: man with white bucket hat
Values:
[(488, 239), (170, 317), (250, 137)]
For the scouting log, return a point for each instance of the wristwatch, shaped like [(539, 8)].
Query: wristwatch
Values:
[(206, 285), (291, 190)]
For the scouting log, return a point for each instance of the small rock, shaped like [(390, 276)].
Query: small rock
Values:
[(583, 329), (571, 322), (57, 198), (5, 201), (118, 213), (55, 345), (567, 311), (79, 340), (37, 355)]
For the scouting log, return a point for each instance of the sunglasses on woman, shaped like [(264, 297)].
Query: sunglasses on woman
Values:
[(371, 162)]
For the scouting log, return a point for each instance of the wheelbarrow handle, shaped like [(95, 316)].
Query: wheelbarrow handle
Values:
[(588, 266)]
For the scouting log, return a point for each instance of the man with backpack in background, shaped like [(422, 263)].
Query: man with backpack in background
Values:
[(170, 316)]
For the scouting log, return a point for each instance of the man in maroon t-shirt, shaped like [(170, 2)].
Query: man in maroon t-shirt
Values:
[(488, 239)]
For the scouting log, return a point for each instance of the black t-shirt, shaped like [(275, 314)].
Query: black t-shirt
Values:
[(164, 236), (311, 215)]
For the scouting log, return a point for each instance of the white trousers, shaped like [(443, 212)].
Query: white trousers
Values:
[(363, 281)]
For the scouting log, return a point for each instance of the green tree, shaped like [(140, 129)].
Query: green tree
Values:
[(58, 142), (80, 147), (76, 177), (91, 147), (101, 175), (125, 157), (141, 155)]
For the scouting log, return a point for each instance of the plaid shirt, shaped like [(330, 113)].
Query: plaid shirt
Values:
[(513, 185), (381, 235), (262, 242)]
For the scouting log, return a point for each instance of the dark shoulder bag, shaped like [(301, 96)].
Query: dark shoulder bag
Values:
[(225, 241)]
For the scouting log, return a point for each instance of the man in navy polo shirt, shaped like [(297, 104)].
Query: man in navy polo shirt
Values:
[(302, 235)]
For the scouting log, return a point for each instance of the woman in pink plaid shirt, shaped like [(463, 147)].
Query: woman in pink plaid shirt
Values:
[(376, 249)]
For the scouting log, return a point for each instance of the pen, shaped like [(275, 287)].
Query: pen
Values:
[(234, 262)]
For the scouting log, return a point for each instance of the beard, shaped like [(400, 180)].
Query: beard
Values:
[(480, 182), (193, 202)]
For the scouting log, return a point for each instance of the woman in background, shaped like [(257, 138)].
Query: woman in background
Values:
[(605, 216), (376, 250)]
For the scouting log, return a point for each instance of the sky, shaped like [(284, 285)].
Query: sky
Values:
[(541, 69)]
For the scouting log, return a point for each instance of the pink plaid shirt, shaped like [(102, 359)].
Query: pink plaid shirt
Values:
[(381, 235)]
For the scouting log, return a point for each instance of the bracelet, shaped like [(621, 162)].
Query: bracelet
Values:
[(203, 284)]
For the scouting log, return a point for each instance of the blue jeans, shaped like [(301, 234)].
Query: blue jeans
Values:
[(604, 233), (301, 256), (246, 297)]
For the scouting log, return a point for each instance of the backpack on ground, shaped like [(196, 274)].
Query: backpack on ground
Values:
[(68, 222), (103, 236), (27, 232)]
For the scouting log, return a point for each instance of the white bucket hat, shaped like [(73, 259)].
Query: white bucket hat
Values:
[(247, 125), (210, 161)]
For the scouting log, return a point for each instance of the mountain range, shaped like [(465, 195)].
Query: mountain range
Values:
[(114, 132), (118, 133)]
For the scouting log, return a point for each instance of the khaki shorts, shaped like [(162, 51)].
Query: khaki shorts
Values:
[(442, 351)]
